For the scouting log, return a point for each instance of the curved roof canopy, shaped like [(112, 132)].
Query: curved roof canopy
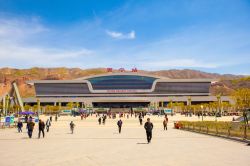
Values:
[(121, 82), (122, 74)]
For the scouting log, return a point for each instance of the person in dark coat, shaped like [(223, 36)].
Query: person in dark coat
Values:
[(30, 127), (72, 126), (41, 127), (165, 123), (140, 120), (104, 119), (149, 127), (119, 124), (19, 126), (100, 120), (26, 118)]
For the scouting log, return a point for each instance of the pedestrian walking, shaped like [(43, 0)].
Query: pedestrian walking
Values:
[(48, 124), (165, 124), (149, 127), (103, 120), (30, 127), (50, 118), (56, 117), (72, 126), (41, 127), (26, 118), (19, 126), (140, 120), (100, 120), (119, 124)]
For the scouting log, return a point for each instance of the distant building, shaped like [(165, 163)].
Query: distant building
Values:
[(123, 90)]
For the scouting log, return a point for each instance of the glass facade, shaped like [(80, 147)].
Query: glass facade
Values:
[(182, 87), (121, 82), (61, 89)]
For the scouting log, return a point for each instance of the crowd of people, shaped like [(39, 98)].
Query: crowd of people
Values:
[(30, 124)]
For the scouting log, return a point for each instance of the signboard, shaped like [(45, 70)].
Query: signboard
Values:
[(66, 112), (9, 119), (168, 111), (121, 91), (122, 69)]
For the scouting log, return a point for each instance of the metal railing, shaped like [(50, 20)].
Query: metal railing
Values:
[(228, 129)]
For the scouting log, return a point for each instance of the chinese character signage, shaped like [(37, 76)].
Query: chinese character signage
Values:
[(122, 69)]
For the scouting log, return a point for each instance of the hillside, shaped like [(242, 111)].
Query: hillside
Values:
[(226, 84)]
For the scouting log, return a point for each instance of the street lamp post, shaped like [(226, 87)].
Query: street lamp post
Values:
[(60, 107), (7, 105), (189, 105), (202, 112), (219, 104), (38, 107)]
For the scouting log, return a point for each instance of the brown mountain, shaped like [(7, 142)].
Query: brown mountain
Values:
[(227, 83)]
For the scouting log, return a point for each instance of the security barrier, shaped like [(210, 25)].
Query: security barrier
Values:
[(228, 129)]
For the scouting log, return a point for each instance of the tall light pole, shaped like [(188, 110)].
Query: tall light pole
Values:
[(189, 105), (7, 105), (202, 112), (38, 107), (219, 104), (60, 107), (4, 104), (171, 107)]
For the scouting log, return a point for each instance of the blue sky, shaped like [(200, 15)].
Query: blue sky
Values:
[(207, 35)]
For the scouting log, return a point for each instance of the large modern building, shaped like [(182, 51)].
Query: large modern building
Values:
[(122, 90)]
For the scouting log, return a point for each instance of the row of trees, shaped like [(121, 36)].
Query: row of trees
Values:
[(241, 99), (216, 106), (53, 109), (240, 96), (48, 109)]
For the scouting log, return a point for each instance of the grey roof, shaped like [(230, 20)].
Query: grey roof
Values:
[(84, 79)]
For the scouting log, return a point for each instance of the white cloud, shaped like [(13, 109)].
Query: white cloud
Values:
[(119, 35), (20, 56), (17, 51), (13, 29)]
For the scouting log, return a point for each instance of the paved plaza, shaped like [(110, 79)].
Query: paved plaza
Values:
[(99, 145)]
